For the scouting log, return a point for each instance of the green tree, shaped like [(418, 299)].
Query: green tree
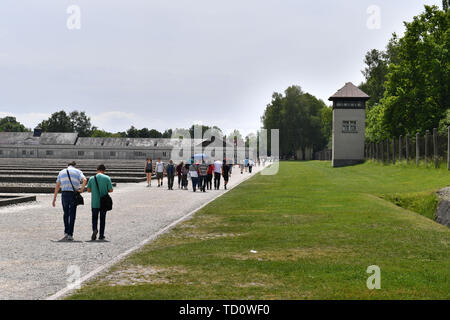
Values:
[(204, 129), (375, 74), (326, 117), (132, 132), (376, 70), (155, 134), (10, 124), (81, 123), (58, 122), (375, 126), (167, 134), (142, 133), (97, 133), (444, 124), (298, 116), (417, 86)]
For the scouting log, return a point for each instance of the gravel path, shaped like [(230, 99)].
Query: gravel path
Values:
[(34, 266)]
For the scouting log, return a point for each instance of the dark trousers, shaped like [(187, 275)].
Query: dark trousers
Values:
[(216, 180), (184, 182), (209, 181), (95, 213), (170, 179), (179, 180), (202, 183), (194, 183), (250, 169), (70, 212)]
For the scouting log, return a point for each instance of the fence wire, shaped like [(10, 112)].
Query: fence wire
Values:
[(430, 149)]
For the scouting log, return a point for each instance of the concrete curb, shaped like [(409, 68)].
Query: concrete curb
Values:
[(67, 290), (7, 200)]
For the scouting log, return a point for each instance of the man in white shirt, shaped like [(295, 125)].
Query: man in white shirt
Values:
[(217, 174), (159, 168), (70, 181)]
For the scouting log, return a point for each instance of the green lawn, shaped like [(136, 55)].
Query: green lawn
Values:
[(315, 230)]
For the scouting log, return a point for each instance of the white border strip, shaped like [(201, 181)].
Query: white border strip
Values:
[(64, 292)]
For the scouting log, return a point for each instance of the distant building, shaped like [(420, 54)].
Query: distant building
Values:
[(48, 145), (349, 125)]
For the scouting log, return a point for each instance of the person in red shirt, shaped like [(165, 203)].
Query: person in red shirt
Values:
[(209, 176)]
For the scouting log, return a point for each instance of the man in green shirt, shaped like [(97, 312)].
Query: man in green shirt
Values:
[(99, 188)]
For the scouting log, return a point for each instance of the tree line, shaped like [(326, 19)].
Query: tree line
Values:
[(79, 122), (409, 80)]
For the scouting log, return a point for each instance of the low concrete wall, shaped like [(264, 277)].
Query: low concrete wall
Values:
[(443, 210), (15, 199), (52, 179), (15, 188)]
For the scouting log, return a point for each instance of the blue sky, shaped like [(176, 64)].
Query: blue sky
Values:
[(167, 64)]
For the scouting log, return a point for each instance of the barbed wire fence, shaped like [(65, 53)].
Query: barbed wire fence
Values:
[(429, 150)]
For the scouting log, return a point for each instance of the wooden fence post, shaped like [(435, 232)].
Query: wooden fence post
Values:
[(393, 150), (382, 151), (400, 149), (374, 156), (407, 148), (435, 148), (388, 145), (427, 138), (417, 149), (377, 151)]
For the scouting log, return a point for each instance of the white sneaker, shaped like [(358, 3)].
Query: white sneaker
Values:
[(69, 238)]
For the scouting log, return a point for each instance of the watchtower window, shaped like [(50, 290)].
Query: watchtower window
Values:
[(349, 126), (49, 152), (350, 104), (81, 153)]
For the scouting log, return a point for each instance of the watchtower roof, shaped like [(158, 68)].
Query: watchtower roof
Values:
[(349, 91)]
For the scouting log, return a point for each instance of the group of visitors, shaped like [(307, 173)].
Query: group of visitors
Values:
[(200, 173), (72, 183)]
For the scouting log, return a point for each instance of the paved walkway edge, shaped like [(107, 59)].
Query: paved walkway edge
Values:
[(68, 290)]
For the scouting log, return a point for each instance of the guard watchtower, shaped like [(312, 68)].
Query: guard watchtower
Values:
[(349, 125)]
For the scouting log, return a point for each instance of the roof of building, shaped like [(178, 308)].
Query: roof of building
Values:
[(53, 138), (47, 138), (349, 91)]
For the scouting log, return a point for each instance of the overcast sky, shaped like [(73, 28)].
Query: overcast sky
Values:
[(169, 63)]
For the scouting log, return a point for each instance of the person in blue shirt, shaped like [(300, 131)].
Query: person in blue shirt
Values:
[(99, 186), (69, 181)]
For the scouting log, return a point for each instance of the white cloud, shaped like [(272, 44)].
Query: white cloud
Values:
[(114, 120)]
